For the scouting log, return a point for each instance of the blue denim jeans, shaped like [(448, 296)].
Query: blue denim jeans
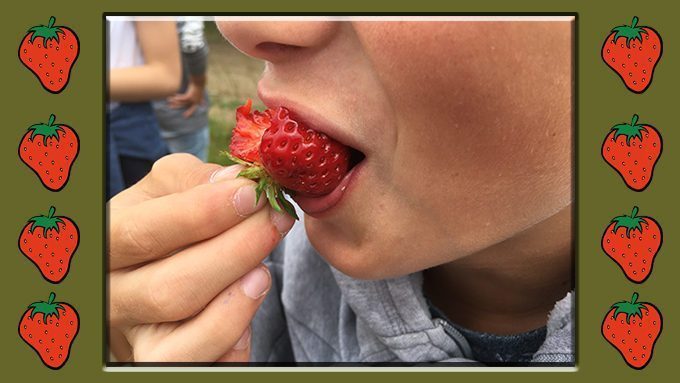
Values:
[(132, 132), (196, 143)]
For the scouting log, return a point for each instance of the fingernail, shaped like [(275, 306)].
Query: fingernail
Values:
[(230, 172), (282, 221), (244, 201), (256, 283), (243, 341)]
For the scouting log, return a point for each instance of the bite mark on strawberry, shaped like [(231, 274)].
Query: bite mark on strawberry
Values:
[(284, 155)]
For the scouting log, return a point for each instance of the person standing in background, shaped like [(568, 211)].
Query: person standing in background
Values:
[(183, 117), (144, 64)]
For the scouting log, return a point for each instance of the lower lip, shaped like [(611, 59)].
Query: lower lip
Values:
[(314, 206)]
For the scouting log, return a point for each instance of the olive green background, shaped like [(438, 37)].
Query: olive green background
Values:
[(602, 101)]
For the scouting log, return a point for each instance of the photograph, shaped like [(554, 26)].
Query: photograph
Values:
[(340, 190)]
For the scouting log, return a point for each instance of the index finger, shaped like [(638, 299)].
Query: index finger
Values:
[(173, 173)]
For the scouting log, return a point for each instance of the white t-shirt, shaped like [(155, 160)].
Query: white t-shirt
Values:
[(123, 47)]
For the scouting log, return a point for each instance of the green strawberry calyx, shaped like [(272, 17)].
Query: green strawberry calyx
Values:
[(631, 309), (265, 184), (631, 222), (46, 222), (46, 130), (632, 130), (46, 308), (46, 32), (631, 32)]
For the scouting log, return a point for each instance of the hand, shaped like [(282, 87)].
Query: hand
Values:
[(191, 99), (185, 275)]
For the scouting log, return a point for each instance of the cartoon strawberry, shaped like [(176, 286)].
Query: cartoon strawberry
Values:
[(50, 150), (284, 154), (633, 150), (633, 328), (50, 328), (633, 52), (49, 52), (633, 242), (50, 241)]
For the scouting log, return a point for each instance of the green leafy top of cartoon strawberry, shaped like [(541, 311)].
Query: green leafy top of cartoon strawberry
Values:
[(631, 309), (48, 222), (47, 32), (46, 130), (632, 130), (631, 32), (46, 308), (630, 222)]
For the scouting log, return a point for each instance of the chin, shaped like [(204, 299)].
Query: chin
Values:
[(360, 261)]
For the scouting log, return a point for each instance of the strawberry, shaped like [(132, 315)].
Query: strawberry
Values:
[(50, 150), (633, 150), (49, 242), (633, 328), (284, 154), (633, 242), (633, 52), (49, 52), (50, 328)]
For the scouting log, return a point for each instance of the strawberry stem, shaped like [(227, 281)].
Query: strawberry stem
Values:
[(50, 129), (50, 24), (634, 120), (634, 23)]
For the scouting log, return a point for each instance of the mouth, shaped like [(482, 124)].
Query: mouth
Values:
[(315, 206)]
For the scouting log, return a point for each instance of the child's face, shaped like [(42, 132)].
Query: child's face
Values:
[(465, 126)]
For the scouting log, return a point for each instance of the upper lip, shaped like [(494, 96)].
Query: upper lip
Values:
[(310, 117)]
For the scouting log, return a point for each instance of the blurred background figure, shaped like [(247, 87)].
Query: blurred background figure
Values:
[(144, 65), (183, 117)]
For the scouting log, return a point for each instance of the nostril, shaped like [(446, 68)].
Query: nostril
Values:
[(276, 49)]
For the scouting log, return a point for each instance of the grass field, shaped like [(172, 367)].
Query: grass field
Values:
[(232, 78)]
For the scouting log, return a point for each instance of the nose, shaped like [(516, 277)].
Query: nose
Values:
[(279, 40)]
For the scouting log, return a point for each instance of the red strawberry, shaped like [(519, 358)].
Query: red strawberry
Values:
[(633, 150), (50, 52), (633, 328), (284, 154), (49, 242), (633, 52), (49, 150), (50, 328), (633, 242)]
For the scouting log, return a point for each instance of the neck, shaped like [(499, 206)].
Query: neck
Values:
[(510, 287)]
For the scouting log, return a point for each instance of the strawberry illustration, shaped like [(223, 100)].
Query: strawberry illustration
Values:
[(633, 242), (633, 52), (633, 150), (633, 329), (50, 150), (50, 241), (50, 328), (50, 51), (284, 154)]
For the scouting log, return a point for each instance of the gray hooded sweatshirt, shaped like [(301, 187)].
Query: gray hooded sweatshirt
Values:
[(314, 313)]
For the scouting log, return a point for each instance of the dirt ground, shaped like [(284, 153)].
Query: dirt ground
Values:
[(232, 78)]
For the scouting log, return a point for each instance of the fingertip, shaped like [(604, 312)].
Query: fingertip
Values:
[(282, 221)]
